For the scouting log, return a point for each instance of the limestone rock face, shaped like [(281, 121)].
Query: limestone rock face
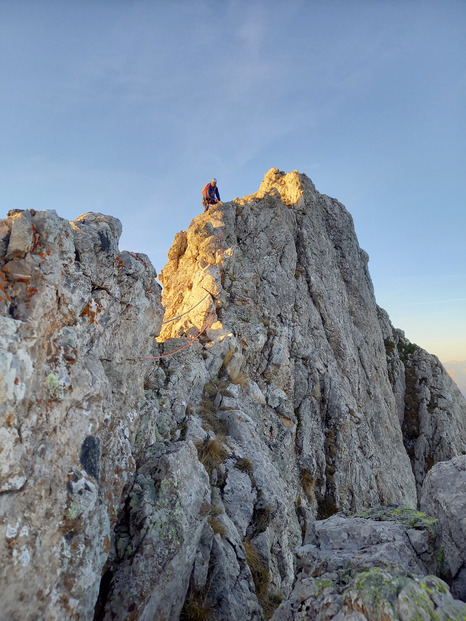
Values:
[(444, 496), (288, 388), (168, 505), (76, 322), (204, 481), (297, 300)]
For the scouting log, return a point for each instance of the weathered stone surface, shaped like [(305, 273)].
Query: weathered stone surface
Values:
[(161, 529), (71, 369), (392, 595), (298, 309), (359, 568), (444, 496), (252, 505), (22, 233), (340, 542), (378, 593)]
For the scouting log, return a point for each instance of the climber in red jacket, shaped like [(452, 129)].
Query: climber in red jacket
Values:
[(210, 194)]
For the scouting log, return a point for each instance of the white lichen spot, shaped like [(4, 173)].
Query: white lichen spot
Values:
[(24, 532), (25, 557), (12, 531), (15, 483), (73, 510)]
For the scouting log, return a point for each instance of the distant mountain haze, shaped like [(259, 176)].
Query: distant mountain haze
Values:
[(457, 371)]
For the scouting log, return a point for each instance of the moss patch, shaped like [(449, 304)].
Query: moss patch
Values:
[(410, 518), (322, 584), (384, 594), (376, 593)]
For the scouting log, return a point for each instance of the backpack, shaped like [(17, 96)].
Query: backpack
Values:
[(205, 191)]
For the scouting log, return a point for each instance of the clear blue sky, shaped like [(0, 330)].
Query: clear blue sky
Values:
[(129, 107)]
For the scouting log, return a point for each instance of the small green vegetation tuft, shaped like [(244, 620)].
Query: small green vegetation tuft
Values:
[(324, 583), (211, 453), (441, 565), (215, 510), (389, 346), (261, 578), (259, 571), (217, 526), (238, 377), (406, 349), (244, 464), (262, 518), (410, 518), (208, 411), (272, 602)]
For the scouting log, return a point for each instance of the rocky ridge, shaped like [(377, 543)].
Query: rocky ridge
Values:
[(215, 491)]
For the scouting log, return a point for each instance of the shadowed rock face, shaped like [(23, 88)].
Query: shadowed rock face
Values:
[(297, 399), (431, 408), (444, 495)]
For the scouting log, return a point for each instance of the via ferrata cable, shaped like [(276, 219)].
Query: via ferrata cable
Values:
[(208, 322)]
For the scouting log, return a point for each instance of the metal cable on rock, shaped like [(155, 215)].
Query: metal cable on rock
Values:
[(172, 353), (188, 311), (209, 320)]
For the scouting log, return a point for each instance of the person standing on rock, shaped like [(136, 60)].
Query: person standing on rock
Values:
[(210, 194)]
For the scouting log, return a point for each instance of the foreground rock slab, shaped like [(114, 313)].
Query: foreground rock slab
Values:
[(364, 569)]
